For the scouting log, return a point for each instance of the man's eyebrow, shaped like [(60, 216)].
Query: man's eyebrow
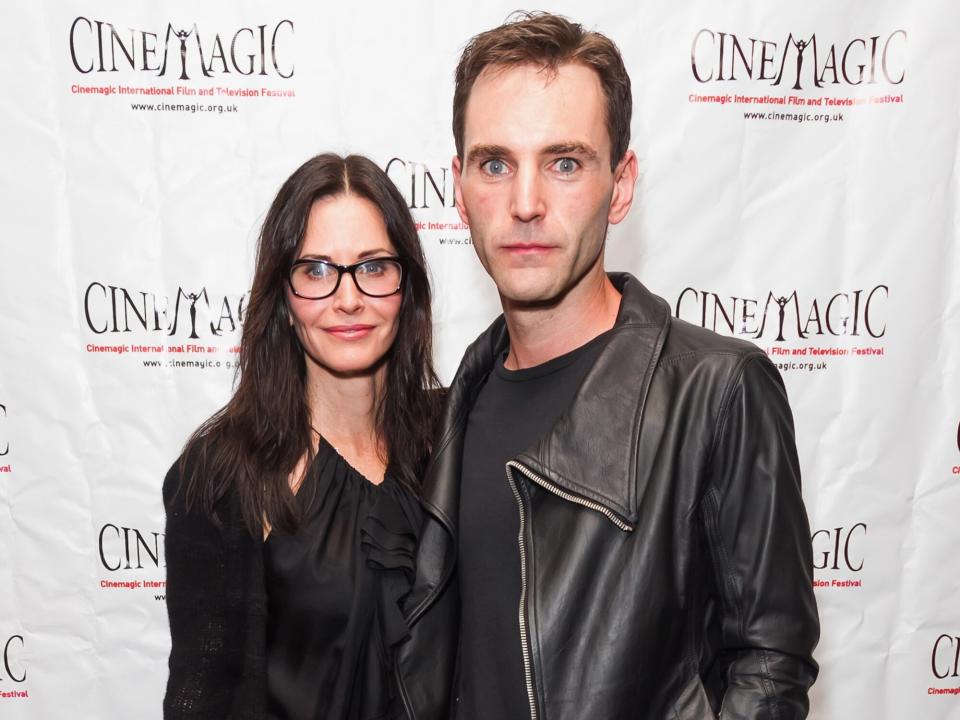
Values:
[(571, 148), (485, 152)]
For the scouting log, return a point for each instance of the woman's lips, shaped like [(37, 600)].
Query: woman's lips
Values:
[(349, 332)]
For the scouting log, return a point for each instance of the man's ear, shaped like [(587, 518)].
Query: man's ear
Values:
[(457, 191), (624, 182)]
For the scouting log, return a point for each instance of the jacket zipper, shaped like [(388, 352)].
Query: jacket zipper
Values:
[(524, 640), (547, 485)]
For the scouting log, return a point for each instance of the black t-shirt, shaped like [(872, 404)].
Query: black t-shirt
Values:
[(513, 410)]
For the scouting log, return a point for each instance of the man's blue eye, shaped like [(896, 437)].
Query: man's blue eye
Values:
[(495, 167), (566, 165)]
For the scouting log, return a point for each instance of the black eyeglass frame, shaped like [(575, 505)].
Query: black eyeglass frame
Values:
[(349, 269)]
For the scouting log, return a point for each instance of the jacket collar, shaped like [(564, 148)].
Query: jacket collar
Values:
[(589, 453)]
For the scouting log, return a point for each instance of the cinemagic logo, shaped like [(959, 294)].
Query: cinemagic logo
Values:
[(945, 657), (126, 548), (113, 309), (13, 668), (792, 61), (838, 548), (421, 186), (956, 468), (98, 46), (857, 313), (4, 441)]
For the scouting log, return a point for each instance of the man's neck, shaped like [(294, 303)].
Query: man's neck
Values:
[(540, 333)]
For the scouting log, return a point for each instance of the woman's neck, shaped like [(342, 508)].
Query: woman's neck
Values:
[(343, 409)]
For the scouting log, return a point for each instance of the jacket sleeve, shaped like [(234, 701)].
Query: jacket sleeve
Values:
[(759, 538), (198, 684)]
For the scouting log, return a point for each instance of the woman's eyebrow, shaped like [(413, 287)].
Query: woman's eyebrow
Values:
[(360, 256)]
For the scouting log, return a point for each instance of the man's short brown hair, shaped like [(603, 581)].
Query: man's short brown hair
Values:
[(548, 41)]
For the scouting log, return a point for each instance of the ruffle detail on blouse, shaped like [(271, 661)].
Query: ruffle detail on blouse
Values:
[(388, 539)]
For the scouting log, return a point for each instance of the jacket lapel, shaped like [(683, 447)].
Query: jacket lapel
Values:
[(587, 453), (591, 452), (440, 496)]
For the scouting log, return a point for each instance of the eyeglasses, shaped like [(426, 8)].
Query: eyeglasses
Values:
[(317, 279)]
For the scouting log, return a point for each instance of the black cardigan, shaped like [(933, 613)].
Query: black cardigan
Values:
[(216, 603)]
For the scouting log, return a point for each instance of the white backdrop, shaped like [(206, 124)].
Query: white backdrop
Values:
[(804, 198)]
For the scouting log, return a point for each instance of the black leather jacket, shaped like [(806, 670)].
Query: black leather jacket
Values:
[(665, 549)]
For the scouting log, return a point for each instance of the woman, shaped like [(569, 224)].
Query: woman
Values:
[(291, 518)]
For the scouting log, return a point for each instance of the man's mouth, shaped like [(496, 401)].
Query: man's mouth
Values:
[(527, 248)]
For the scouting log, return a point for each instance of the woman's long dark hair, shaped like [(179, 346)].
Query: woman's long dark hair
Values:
[(256, 441)]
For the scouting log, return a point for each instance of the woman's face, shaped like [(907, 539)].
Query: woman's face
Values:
[(347, 333)]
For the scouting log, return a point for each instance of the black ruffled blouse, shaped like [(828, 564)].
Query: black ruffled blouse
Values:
[(333, 593)]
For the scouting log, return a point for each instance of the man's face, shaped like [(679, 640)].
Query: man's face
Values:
[(535, 184)]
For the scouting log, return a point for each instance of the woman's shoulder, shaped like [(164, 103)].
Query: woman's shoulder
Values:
[(183, 483), (175, 479), (182, 469)]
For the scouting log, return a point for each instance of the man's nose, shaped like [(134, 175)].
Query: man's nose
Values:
[(527, 202)]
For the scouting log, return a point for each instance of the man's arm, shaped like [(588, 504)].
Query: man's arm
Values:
[(760, 542)]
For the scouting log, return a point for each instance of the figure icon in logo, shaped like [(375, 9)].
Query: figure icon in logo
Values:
[(801, 45), (193, 297), (183, 35), (782, 302)]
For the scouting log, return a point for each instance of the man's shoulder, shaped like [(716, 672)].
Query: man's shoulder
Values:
[(699, 363), (694, 344), (679, 343)]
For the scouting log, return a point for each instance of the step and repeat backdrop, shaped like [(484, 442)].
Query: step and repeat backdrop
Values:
[(799, 189)]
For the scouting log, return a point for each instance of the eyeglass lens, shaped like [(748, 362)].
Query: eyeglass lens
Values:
[(319, 279)]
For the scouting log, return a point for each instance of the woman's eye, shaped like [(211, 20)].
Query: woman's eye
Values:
[(319, 270), (371, 268)]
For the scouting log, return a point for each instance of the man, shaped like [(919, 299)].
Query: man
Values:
[(615, 525)]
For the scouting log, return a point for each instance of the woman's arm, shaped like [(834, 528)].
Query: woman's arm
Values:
[(199, 682)]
